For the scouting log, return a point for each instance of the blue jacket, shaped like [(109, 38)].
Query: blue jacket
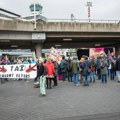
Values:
[(85, 68)]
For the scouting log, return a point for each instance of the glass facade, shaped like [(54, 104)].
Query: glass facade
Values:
[(38, 7)]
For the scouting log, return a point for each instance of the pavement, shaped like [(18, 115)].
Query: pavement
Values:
[(20, 101)]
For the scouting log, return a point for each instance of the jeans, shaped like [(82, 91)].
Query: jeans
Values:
[(92, 76), (99, 74), (85, 81), (75, 78), (112, 74), (70, 75), (64, 76), (49, 82), (118, 74), (104, 78), (108, 72), (42, 85), (55, 80)]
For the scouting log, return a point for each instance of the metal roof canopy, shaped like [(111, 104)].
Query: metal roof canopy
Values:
[(9, 12)]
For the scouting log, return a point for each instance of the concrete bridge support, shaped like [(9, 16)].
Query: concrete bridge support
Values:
[(117, 49), (38, 49)]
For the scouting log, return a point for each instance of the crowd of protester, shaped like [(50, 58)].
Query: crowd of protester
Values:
[(9, 61), (84, 71)]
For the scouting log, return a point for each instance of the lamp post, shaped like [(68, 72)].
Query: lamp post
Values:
[(34, 17), (89, 4)]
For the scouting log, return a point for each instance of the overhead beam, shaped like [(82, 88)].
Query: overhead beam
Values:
[(10, 12)]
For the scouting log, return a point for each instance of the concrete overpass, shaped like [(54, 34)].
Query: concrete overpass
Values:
[(72, 34)]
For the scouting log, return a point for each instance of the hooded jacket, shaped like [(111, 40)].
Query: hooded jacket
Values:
[(51, 70)]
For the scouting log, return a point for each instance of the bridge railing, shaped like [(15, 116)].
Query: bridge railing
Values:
[(67, 20), (83, 20)]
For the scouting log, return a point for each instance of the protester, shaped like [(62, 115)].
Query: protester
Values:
[(59, 73), (51, 72), (104, 65), (33, 61), (25, 61), (75, 71), (93, 69), (63, 67), (55, 75), (81, 70), (118, 68), (69, 69), (86, 71), (4, 62), (98, 67), (42, 77)]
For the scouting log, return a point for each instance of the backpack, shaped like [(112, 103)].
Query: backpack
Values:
[(92, 67), (98, 64), (45, 70), (62, 67)]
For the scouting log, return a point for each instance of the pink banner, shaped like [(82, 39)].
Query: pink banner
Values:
[(95, 51), (99, 49)]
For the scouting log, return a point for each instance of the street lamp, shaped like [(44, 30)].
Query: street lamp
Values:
[(34, 17), (72, 17), (89, 4)]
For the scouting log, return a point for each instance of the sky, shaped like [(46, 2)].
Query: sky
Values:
[(62, 9)]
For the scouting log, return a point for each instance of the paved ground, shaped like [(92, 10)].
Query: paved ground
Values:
[(20, 101)]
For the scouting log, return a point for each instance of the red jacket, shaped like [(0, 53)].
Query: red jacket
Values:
[(50, 67)]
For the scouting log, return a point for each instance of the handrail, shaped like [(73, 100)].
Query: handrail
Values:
[(83, 20), (67, 20)]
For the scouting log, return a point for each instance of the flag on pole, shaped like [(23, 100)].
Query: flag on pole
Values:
[(33, 55)]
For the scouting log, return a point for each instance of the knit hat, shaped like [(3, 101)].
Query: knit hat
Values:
[(82, 59)]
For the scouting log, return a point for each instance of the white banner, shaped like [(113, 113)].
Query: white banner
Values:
[(26, 71)]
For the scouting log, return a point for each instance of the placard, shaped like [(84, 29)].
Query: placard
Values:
[(26, 71)]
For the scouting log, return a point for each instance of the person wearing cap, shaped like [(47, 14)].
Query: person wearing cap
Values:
[(81, 62), (85, 71)]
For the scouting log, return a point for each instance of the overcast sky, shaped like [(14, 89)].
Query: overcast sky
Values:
[(62, 9)]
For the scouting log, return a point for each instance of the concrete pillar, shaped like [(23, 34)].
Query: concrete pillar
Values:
[(117, 51), (38, 49)]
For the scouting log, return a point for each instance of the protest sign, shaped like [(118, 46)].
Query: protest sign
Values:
[(55, 55), (18, 71)]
